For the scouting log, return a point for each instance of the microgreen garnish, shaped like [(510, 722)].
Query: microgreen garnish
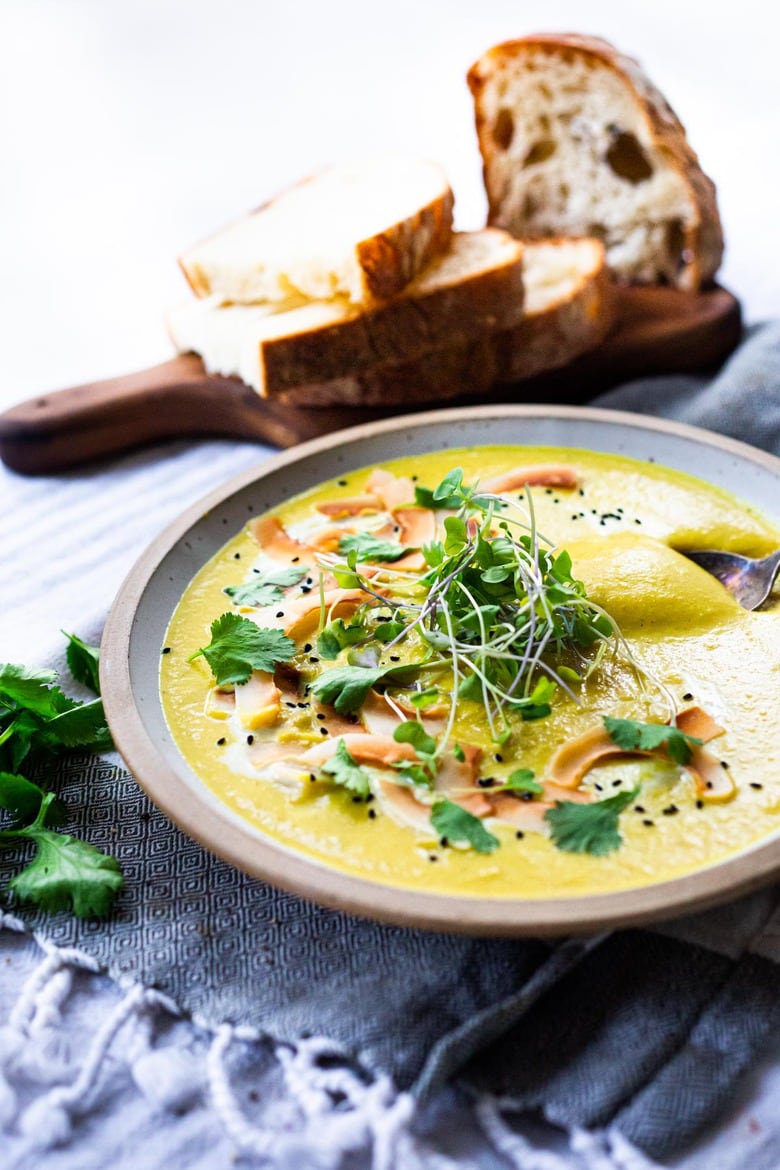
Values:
[(344, 770), (371, 548), (337, 635), (460, 826), (415, 734), (423, 699), (589, 828), (633, 736), (522, 780), (238, 647), (265, 588)]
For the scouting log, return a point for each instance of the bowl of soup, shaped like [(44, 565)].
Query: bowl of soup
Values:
[(457, 671)]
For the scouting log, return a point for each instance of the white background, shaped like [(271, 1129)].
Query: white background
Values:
[(129, 130)]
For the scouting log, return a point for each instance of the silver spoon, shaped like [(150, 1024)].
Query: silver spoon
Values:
[(749, 580)]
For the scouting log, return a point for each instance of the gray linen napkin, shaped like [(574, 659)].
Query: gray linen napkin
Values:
[(642, 1031)]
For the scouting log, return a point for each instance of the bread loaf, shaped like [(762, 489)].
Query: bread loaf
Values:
[(475, 288), (362, 231), (576, 141), (568, 311)]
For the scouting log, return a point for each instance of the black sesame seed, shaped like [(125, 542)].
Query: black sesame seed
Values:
[(637, 521), (582, 491), (342, 482), (519, 834), (413, 478), (357, 799), (700, 804), (648, 823), (250, 739), (370, 797), (724, 764), (616, 783), (307, 647), (547, 491), (312, 777), (498, 757), (302, 705), (288, 703), (323, 731), (598, 787), (708, 784), (443, 842), (352, 719), (639, 808), (221, 740), (280, 613), (687, 696), (321, 716), (166, 649), (526, 796), (671, 810), (236, 556), (372, 813), (432, 857), (313, 659), (556, 500), (486, 781), (295, 560), (755, 784), (395, 658), (305, 588), (309, 580)]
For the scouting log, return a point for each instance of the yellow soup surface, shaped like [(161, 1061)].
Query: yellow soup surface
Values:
[(685, 642)]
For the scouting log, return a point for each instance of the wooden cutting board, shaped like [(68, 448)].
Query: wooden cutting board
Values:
[(658, 331)]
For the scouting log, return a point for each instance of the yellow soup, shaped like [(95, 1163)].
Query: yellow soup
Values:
[(473, 795)]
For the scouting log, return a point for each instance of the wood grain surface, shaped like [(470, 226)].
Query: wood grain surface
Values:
[(658, 330)]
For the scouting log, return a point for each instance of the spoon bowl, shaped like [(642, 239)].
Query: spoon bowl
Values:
[(748, 579)]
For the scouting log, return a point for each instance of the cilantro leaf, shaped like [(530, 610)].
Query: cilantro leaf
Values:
[(522, 780), (346, 772), (633, 736), (83, 662), (456, 824), (19, 796), (345, 687), (68, 873), (414, 733), (589, 828), (238, 646), (83, 726), (33, 689), (265, 588), (371, 548)]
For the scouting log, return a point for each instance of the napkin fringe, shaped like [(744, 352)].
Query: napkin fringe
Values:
[(337, 1107)]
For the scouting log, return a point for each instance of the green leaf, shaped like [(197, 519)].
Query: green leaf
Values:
[(633, 736), (457, 535), (414, 733), (433, 553), (68, 873), (459, 753), (266, 588), (336, 636), (345, 771), (387, 631), (32, 689), (346, 687), (423, 699), (522, 780), (82, 726), (83, 662), (238, 646), (417, 775), (371, 548), (589, 828), (19, 796), (449, 486), (471, 688), (456, 824)]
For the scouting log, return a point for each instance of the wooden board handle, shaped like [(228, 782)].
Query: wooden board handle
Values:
[(71, 427)]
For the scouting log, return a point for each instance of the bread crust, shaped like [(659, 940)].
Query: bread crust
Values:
[(703, 236), (401, 330), (543, 340), (387, 262)]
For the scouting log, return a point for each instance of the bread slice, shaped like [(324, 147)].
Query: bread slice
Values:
[(475, 288), (362, 231), (569, 300), (576, 141), (570, 307)]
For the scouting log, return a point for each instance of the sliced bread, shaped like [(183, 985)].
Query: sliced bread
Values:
[(569, 309), (362, 231), (576, 141), (475, 288)]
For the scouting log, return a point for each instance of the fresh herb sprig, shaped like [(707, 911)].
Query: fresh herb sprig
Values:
[(38, 722)]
